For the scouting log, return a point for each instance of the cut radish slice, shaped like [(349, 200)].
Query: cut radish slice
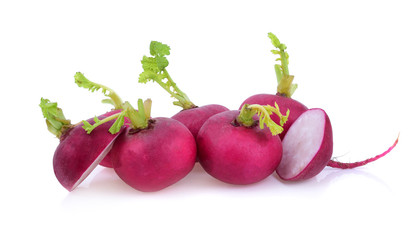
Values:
[(307, 146), (79, 153)]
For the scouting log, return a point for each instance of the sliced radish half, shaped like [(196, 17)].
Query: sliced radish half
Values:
[(307, 146), (79, 153)]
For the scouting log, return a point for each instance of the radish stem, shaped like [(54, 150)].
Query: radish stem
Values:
[(247, 113), (155, 70), (285, 87), (55, 120), (83, 82)]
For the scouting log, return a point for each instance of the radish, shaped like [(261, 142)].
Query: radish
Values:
[(307, 148), (285, 89), (151, 154), (154, 67), (236, 149), (112, 99), (77, 153)]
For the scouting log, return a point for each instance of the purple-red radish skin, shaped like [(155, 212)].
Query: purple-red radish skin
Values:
[(194, 118), (296, 108), (79, 153), (310, 140), (237, 154), (154, 158)]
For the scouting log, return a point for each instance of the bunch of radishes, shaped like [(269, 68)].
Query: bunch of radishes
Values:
[(234, 146)]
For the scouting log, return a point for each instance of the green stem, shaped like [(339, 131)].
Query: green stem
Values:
[(89, 128), (155, 70), (83, 82), (117, 101), (184, 100), (147, 108), (56, 122), (245, 117), (247, 113), (139, 119), (285, 86)]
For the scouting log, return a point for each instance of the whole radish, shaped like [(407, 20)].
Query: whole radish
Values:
[(151, 154), (112, 99), (308, 145), (236, 149), (285, 89), (154, 68), (78, 153)]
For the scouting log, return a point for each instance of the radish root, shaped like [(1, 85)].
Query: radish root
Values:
[(336, 164)]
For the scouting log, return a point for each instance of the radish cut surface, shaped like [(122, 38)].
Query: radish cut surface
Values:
[(307, 146)]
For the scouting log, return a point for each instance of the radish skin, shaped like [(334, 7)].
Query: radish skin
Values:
[(237, 154), (156, 157), (194, 118)]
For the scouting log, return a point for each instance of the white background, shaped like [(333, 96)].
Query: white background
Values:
[(355, 59)]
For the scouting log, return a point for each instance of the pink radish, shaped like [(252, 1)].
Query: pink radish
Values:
[(151, 154), (154, 158), (194, 118), (285, 89), (235, 149), (307, 148), (154, 67), (77, 153)]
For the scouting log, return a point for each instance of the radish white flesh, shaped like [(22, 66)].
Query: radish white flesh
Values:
[(307, 146)]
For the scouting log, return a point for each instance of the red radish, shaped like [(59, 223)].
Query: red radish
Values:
[(77, 153), (154, 67), (194, 118), (307, 146), (285, 89), (156, 157), (233, 148), (151, 154), (113, 99)]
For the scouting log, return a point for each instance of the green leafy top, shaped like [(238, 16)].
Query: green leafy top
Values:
[(139, 119), (285, 86), (55, 119), (113, 99), (263, 111), (155, 70)]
